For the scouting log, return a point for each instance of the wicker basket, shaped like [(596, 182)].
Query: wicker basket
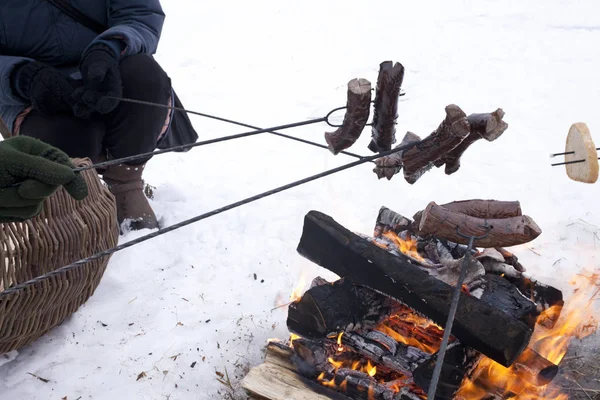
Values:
[(36, 293)]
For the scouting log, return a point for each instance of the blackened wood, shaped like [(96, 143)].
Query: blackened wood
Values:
[(449, 134), (388, 166), (358, 385), (342, 306), (311, 356), (385, 111), (459, 360), (358, 108), (548, 299), (500, 293), (404, 360), (443, 223), (485, 208), (488, 126), (330, 245), (388, 220)]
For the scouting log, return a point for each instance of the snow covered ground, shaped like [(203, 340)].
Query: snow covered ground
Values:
[(173, 312)]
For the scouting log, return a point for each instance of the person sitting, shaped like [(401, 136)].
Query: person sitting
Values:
[(62, 78)]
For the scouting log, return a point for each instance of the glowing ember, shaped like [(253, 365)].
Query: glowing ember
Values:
[(413, 330), (576, 321)]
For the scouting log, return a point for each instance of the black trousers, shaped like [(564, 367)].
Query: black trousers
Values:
[(128, 130)]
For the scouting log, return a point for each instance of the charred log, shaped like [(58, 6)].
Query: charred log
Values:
[(330, 245), (488, 126), (500, 293), (385, 111), (441, 222), (341, 306), (449, 134), (358, 108), (548, 299), (459, 360), (388, 166)]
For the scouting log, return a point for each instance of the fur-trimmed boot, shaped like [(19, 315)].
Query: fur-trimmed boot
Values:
[(125, 183)]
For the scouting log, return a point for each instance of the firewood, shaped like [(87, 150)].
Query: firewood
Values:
[(385, 111), (500, 293), (342, 306), (485, 208), (356, 117), (505, 232), (534, 368), (488, 126), (459, 360), (548, 299), (277, 379), (388, 166), (580, 142), (449, 134), (511, 259), (388, 220), (330, 245)]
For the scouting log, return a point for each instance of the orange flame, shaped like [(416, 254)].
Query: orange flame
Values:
[(576, 321), (339, 342), (408, 246)]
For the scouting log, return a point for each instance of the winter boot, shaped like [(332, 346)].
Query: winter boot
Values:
[(125, 183)]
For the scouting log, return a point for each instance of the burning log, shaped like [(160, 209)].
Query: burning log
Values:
[(388, 166), (500, 293), (329, 309), (548, 299), (491, 209), (459, 360), (534, 368), (278, 379), (449, 134), (356, 117), (488, 126), (439, 221), (385, 112), (330, 245)]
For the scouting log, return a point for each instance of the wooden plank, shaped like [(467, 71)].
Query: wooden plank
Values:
[(273, 382)]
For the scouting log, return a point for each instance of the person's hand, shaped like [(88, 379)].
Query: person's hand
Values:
[(101, 82), (30, 171), (48, 90)]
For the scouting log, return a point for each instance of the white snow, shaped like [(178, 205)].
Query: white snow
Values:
[(191, 297)]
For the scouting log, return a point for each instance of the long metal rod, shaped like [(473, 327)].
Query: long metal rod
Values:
[(566, 152), (569, 162), (230, 121), (206, 215), (198, 144), (450, 321)]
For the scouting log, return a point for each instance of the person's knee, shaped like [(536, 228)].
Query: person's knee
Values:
[(143, 76), (76, 137)]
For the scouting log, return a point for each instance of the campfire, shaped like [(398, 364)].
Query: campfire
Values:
[(375, 332)]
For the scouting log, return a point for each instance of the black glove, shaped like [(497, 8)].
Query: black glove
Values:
[(48, 90), (101, 78), (30, 171)]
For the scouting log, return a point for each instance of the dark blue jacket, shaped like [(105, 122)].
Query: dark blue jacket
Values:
[(37, 30)]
